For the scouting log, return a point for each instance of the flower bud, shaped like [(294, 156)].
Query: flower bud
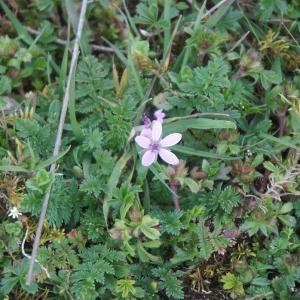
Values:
[(135, 215), (197, 174)]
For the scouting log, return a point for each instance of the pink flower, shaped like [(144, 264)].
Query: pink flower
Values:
[(221, 251), (159, 115), (147, 132), (155, 146)]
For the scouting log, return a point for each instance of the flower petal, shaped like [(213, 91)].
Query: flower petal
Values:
[(159, 115), (168, 157), (156, 131), (143, 141), (170, 140), (147, 132), (149, 158)]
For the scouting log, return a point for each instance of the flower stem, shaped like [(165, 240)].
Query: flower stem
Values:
[(173, 185), (281, 118)]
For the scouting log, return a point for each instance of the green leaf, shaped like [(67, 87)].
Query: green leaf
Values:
[(199, 123), (150, 233), (125, 287), (261, 281), (52, 159), (11, 168), (144, 255), (5, 85), (268, 77), (7, 284), (228, 280), (152, 244), (192, 184), (205, 247), (199, 153), (72, 111), (172, 286), (146, 227), (269, 166), (218, 14), (31, 288), (22, 32), (288, 220), (13, 229), (113, 181), (282, 141), (118, 53), (286, 208), (257, 160), (42, 178), (159, 176), (170, 222)]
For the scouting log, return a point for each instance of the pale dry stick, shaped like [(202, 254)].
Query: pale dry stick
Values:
[(195, 4), (275, 188), (58, 138), (291, 173), (239, 41), (28, 256), (209, 11), (213, 9), (64, 42)]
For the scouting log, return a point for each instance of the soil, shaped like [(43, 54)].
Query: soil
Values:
[(214, 295)]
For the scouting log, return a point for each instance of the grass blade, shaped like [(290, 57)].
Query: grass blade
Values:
[(167, 29), (22, 32), (219, 13), (282, 141), (200, 123), (11, 168), (72, 111), (52, 159), (199, 153), (113, 181), (157, 175)]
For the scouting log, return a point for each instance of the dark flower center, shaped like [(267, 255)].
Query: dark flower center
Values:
[(154, 147)]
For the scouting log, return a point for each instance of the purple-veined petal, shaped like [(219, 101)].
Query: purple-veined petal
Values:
[(143, 141), (149, 158), (168, 157), (156, 131), (170, 140)]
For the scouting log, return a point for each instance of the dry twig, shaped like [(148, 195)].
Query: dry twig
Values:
[(28, 256), (64, 42), (276, 187), (58, 138)]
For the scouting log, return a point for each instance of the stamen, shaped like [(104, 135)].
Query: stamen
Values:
[(154, 146)]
